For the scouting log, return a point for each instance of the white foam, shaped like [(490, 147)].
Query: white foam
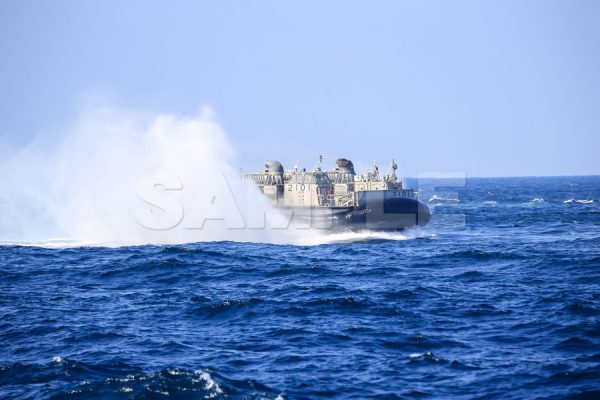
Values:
[(301, 238), (127, 378), (316, 238), (537, 200), (438, 199), (59, 243), (579, 201), (210, 384), (175, 372)]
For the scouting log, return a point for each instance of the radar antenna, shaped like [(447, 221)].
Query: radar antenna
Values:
[(374, 174), (393, 167)]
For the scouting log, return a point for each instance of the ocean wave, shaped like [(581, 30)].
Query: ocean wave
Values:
[(365, 236), (438, 199), (302, 238), (421, 343), (536, 200), (70, 379), (227, 308), (427, 357), (343, 303), (580, 309), (478, 254), (471, 275), (364, 315), (578, 201), (485, 310), (574, 343)]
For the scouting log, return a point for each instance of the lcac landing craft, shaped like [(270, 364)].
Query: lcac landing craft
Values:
[(339, 199)]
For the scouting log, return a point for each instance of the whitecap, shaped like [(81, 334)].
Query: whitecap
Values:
[(127, 378), (209, 383), (437, 199), (537, 200), (316, 238), (578, 201), (175, 372)]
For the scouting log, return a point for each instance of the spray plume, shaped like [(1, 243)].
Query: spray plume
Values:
[(119, 177)]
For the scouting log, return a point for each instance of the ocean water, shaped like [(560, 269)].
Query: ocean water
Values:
[(505, 304)]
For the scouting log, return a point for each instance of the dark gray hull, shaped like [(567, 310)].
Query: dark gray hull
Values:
[(374, 211)]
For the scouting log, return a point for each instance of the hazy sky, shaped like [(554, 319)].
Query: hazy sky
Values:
[(487, 88)]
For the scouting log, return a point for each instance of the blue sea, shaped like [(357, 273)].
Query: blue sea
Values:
[(505, 304)]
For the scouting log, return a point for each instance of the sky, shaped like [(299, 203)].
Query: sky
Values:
[(508, 88)]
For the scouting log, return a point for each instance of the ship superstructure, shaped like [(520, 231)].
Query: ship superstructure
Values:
[(342, 198)]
